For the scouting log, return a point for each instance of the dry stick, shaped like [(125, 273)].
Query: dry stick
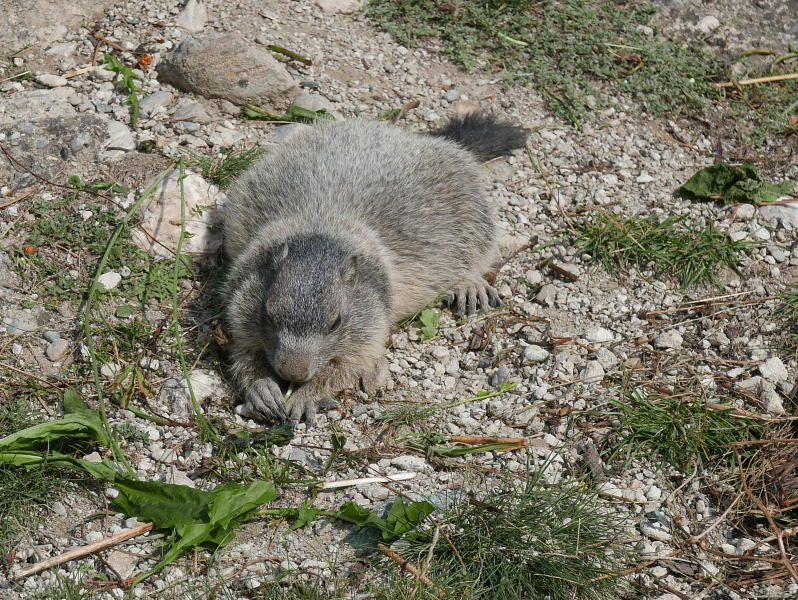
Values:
[(405, 564), (768, 79), (54, 561), (774, 528), (29, 192)]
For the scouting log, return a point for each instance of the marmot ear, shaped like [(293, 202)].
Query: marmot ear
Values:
[(349, 269), (280, 254)]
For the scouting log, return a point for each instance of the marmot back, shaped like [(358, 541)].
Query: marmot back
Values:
[(339, 233)]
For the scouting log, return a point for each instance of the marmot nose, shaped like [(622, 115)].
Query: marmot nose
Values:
[(295, 370)]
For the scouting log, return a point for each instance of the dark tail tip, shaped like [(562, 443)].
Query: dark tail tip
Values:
[(483, 134)]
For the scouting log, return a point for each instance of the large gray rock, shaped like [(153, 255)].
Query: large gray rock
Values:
[(36, 23), (228, 67)]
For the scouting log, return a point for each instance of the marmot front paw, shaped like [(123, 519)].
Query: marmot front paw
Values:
[(264, 401)]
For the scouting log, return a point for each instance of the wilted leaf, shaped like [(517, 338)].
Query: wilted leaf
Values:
[(732, 184)]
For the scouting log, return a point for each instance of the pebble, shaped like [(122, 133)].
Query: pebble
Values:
[(655, 532), (51, 335), (452, 95), (193, 16), (708, 24), (410, 462), (599, 335), (534, 354), (773, 369), (499, 376), (109, 280), (52, 81), (668, 340), (593, 372), (57, 349)]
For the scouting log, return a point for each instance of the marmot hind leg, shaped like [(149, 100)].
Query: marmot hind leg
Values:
[(472, 295)]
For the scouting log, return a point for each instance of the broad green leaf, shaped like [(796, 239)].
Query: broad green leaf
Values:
[(199, 518), (429, 323), (79, 422), (733, 184), (405, 517)]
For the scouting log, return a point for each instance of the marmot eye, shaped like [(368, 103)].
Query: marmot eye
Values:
[(335, 324)]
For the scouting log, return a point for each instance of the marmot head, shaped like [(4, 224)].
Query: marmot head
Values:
[(309, 301)]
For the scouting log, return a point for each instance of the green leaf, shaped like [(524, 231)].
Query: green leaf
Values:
[(733, 184), (104, 470), (198, 518), (429, 323), (124, 311), (354, 513), (79, 422), (405, 517)]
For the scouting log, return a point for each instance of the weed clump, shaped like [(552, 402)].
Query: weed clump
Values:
[(691, 254), (565, 49), (529, 540)]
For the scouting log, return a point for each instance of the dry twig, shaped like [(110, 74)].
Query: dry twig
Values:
[(54, 561)]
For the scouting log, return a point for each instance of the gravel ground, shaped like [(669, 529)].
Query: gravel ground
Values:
[(565, 336)]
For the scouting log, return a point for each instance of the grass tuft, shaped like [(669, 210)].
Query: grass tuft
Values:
[(689, 253), (222, 170), (567, 49), (528, 540), (685, 429)]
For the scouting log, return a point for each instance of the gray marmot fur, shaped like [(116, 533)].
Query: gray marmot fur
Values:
[(341, 232)]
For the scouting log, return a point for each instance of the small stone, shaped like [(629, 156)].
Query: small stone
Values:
[(668, 339), (339, 6), (94, 536), (51, 81), (776, 252), (59, 509), (157, 101), (533, 277), (499, 377), (56, 350), (51, 335), (593, 371), (119, 141), (708, 24), (409, 462), (109, 280), (534, 354), (599, 335), (313, 102), (655, 533), (285, 132), (452, 95), (547, 294), (93, 457), (774, 370), (644, 178), (745, 212), (193, 16), (439, 352), (16, 349), (653, 493)]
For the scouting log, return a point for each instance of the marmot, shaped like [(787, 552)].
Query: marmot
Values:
[(340, 233)]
